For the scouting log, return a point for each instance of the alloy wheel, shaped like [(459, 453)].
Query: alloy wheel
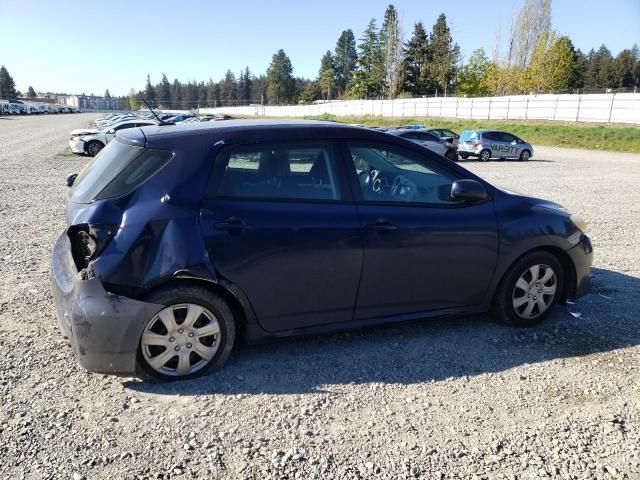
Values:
[(534, 291), (181, 339)]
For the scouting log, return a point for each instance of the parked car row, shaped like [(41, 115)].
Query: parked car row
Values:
[(482, 144), (19, 107), (89, 141)]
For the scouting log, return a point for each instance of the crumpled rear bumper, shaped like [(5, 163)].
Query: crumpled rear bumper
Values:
[(104, 329)]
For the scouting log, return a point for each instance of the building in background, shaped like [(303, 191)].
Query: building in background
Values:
[(88, 102)]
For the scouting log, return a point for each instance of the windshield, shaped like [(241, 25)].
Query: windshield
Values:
[(111, 160)]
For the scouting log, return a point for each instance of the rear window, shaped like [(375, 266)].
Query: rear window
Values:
[(469, 136), (117, 169)]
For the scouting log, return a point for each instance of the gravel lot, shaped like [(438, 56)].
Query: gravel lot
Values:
[(454, 398)]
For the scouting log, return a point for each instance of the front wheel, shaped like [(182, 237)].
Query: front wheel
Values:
[(452, 155), (525, 155), (93, 148), (529, 290), (464, 156), (192, 336), (485, 155)]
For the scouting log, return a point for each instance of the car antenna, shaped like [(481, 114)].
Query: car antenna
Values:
[(160, 122)]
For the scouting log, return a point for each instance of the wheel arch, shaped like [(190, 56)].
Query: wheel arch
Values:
[(241, 313), (567, 267)]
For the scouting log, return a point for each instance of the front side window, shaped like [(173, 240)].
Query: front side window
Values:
[(282, 171), (391, 174)]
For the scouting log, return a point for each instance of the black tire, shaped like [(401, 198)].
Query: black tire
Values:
[(451, 155), (503, 309), (464, 156), (525, 155), (175, 295), (485, 155), (93, 147)]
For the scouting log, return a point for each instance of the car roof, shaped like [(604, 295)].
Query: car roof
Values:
[(399, 131), (242, 131)]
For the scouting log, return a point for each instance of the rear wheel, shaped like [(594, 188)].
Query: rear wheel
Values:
[(452, 155), (525, 155), (464, 156), (485, 155), (192, 336), (93, 147), (529, 290)]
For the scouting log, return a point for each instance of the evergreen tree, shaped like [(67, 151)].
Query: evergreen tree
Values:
[(149, 92), (163, 92), (107, 94), (345, 60), (228, 89), (391, 45), (445, 55), (310, 93), (599, 73), (259, 89), (7, 85), (176, 94), (623, 68), (280, 81), (369, 79), (244, 93), (578, 68), (202, 95), (416, 60), (31, 93), (211, 94), (327, 76)]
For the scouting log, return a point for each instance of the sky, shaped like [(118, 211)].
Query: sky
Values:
[(85, 47)]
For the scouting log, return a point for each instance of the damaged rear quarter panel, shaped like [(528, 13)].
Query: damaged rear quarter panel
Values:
[(159, 232)]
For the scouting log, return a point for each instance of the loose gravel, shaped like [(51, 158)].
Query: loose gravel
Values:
[(446, 398)]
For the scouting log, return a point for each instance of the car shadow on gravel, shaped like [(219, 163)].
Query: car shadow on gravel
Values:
[(425, 351), (508, 160)]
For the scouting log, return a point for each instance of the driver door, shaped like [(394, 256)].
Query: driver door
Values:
[(423, 250)]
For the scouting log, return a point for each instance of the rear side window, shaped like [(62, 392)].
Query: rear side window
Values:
[(469, 136), (136, 172), (427, 137), (283, 171), (117, 169)]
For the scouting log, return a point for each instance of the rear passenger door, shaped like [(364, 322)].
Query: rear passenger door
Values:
[(280, 224)]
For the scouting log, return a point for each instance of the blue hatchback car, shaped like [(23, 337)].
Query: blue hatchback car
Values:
[(180, 236)]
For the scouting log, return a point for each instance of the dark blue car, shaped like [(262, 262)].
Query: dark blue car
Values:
[(181, 236)]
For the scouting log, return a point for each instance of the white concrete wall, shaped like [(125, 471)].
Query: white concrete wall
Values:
[(609, 107)]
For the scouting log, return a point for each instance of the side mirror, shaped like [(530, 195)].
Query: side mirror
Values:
[(71, 178), (111, 131), (469, 190)]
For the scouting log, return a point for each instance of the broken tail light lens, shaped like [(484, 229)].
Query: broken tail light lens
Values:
[(88, 241)]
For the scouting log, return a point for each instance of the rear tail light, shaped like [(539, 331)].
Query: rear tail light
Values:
[(476, 144), (88, 241)]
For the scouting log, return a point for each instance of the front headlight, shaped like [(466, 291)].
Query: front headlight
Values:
[(579, 222)]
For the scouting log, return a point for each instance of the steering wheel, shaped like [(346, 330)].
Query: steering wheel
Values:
[(402, 186)]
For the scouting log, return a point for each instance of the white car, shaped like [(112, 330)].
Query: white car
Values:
[(428, 140), (90, 141)]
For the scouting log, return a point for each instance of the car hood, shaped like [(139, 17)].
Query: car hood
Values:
[(534, 201), (84, 131)]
